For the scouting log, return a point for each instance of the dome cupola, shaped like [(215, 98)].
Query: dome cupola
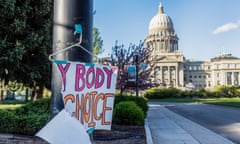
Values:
[(161, 34), (161, 21)]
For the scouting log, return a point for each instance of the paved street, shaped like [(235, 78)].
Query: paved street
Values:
[(166, 127), (222, 120)]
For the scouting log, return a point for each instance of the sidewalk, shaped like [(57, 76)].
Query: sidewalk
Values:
[(166, 127), (20, 139)]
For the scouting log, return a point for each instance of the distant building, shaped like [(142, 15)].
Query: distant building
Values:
[(170, 68)]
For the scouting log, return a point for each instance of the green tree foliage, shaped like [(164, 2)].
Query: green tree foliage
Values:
[(97, 42), (122, 57), (25, 41)]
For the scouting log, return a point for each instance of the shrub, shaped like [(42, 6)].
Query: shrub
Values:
[(160, 93), (128, 113), (27, 119), (39, 107), (140, 101), (226, 91), (30, 124), (8, 121)]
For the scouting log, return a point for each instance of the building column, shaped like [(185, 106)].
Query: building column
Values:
[(160, 73), (177, 75), (169, 75)]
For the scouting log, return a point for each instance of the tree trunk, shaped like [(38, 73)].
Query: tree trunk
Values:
[(39, 93), (32, 95), (121, 90), (26, 96), (1, 97)]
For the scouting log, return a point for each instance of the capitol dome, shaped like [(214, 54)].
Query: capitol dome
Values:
[(161, 34), (161, 21)]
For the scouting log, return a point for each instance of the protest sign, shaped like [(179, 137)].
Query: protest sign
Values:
[(88, 92)]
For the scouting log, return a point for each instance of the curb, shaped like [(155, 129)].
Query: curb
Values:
[(6, 136), (148, 133)]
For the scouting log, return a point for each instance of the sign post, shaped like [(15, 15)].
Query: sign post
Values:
[(68, 13)]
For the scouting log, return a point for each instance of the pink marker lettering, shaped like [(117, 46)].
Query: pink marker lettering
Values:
[(63, 71), (99, 78), (109, 73), (79, 80)]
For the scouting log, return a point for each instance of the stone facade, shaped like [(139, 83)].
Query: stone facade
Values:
[(170, 68)]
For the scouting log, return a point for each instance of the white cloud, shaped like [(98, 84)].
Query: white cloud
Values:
[(227, 27)]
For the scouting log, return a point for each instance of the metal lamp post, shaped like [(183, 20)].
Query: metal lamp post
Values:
[(137, 69), (68, 13)]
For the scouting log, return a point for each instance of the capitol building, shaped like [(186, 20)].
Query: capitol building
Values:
[(171, 68)]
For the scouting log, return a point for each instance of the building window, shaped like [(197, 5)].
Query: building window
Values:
[(229, 78), (190, 76), (172, 74), (218, 75), (236, 75), (190, 67), (199, 76), (157, 68), (165, 68), (172, 68), (228, 66), (194, 67), (199, 68), (209, 84)]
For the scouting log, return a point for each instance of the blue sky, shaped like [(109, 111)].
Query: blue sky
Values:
[(205, 28)]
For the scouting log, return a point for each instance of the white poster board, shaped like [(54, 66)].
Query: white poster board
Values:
[(88, 92), (64, 129)]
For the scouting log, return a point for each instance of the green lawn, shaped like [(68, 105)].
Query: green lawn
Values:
[(232, 102), (10, 106)]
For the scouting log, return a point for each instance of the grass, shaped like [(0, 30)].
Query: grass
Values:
[(10, 104), (232, 102)]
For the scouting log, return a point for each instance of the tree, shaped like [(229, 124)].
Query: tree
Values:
[(122, 57), (97, 42), (25, 42)]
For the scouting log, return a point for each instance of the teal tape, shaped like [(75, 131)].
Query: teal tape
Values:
[(89, 131), (89, 64), (78, 28), (60, 61)]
